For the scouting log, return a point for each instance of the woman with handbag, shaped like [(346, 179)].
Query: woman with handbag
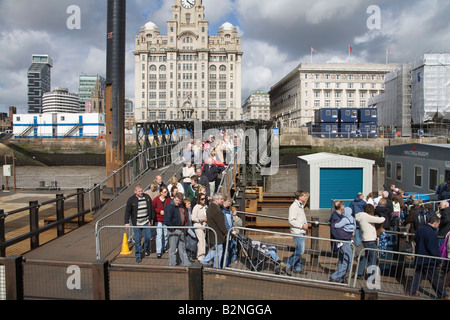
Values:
[(199, 220)]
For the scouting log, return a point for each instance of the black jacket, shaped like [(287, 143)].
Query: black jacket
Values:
[(385, 212), (172, 216), (210, 172), (216, 221), (132, 208)]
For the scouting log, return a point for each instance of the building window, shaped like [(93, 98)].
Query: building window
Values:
[(418, 176), (433, 180), (398, 171)]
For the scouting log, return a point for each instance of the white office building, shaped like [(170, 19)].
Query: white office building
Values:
[(257, 107), (60, 101), (313, 86)]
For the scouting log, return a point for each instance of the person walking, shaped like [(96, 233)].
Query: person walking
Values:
[(211, 171), (216, 221), (367, 222), (298, 227), (139, 212), (175, 216), (159, 203), (199, 220), (343, 226), (427, 244)]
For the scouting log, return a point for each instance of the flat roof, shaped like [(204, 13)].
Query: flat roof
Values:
[(324, 157), (421, 151)]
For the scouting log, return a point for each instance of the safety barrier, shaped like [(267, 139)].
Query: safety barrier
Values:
[(266, 252), (405, 273), (111, 187), (106, 248)]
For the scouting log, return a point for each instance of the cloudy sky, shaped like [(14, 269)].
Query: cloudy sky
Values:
[(277, 35)]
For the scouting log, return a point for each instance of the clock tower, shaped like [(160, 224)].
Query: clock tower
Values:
[(188, 74)]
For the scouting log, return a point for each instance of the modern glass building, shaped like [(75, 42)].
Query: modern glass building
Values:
[(86, 85), (39, 81)]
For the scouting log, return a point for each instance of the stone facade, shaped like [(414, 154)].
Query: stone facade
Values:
[(187, 74), (312, 86)]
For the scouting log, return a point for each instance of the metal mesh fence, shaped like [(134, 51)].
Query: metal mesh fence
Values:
[(2, 281), (129, 282), (270, 252), (47, 280)]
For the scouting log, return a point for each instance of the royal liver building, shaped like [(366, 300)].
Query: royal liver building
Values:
[(187, 74)]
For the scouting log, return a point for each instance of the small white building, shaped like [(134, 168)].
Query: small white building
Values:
[(59, 125), (329, 176)]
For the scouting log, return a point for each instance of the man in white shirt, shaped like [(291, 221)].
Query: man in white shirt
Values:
[(299, 226)]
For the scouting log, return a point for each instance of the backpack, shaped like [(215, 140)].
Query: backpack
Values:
[(443, 247)]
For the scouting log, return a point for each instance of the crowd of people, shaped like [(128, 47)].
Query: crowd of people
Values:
[(192, 201), (366, 220)]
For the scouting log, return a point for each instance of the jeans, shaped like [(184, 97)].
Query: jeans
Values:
[(177, 244), (137, 240), (212, 256), (370, 257), (161, 238), (295, 260), (232, 252), (357, 237), (344, 263)]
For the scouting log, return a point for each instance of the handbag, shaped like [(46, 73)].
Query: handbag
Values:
[(443, 247)]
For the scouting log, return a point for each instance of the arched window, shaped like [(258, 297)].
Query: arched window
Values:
[(152, 68)]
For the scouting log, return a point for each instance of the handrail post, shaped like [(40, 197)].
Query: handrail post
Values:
[(14, 278), (60, 214), (2, 233), (315, 242), (100, 276), (34, 224), (80, 205), (195, 280)]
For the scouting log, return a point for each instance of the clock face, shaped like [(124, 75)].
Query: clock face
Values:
[(188, 4)]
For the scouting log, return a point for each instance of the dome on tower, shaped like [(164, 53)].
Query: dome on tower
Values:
[(227, 27), (150, 26)]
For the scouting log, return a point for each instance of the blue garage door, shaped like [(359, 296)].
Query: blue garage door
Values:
[(339, 184)]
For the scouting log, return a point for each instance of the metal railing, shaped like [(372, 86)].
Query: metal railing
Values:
[(266, 252), (151, 158), (396, 271), (106, 247)]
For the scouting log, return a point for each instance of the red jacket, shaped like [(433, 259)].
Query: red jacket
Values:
[(159, 205)]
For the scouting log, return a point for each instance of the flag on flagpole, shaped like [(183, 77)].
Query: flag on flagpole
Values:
[(312, 50), (351, 49)]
